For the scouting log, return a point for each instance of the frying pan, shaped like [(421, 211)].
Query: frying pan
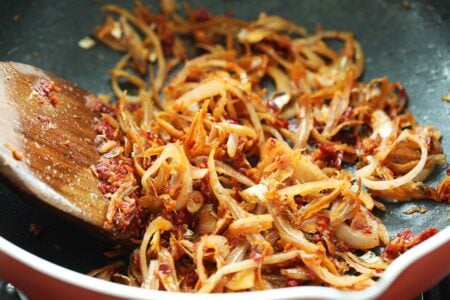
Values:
[(407, 41)]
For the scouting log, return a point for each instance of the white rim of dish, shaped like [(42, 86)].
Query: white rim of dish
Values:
[(302, 292)]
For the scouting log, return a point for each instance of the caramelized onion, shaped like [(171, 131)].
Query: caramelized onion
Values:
[(158, 225), (311, 262), (252, 224), (356, 238), (206, 220), (290, 234), (389, 184), (221, 179)]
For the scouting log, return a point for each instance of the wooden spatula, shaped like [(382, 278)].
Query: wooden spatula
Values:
[(46, 143)]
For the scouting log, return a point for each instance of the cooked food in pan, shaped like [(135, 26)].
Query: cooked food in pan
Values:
[(248, 155)]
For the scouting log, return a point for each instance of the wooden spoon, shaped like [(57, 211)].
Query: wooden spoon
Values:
[(46, 148)]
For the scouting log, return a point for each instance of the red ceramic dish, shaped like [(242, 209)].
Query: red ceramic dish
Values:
[(409, 275)]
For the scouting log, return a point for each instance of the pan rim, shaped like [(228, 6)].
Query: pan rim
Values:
[(71, 277)]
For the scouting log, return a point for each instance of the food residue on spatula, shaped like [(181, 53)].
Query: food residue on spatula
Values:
[(46, 90)]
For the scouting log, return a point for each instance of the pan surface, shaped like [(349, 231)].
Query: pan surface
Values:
[(408, 42)]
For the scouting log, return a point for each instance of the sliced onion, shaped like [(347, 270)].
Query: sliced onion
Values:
[(199, 173), (281, 156), (341, 210), (225, 199), (151, 202), (237, 254), (383, 233), (367, 200), (242, 280), (310, 187), (237, 129), (254, 35), (256, 193), (381, 124), (282, 83), (182, 75), (357, 267), (180, 168), (200, 92), (220, 192), (304, 169), (194, 202), (359, 58), (305, 125), (432, 162), (252, 224), (337, 107), (357, 239), (281, 257), (232, 144), (212, 281), (389, 184), (187, 180), (297, 273), (368, 169), (169, 150), (277, 23), (225, 64), (256, 123), (279, 100), (339, 103), (223, 168), (151, 282), (313, 262), (290, 234), (207, 220), (369, 260), (319, 204), (221, 250), (106, 147), (162, 66), (158, 224), (272, 131), (168, 276)]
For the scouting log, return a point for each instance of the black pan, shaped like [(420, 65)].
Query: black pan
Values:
[(407, 41)]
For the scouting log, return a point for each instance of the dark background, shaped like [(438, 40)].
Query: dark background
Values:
[(406, 41)]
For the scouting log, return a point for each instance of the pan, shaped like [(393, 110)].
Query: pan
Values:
[(408, 41)]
